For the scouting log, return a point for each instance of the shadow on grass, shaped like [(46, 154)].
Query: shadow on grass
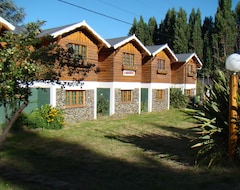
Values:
[(59, 164)]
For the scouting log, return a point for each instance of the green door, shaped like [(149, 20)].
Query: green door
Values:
[(103, 101), (144, 99)]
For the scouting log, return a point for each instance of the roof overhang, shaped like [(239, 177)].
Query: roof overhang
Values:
[(196, 57), (79, 25), (6, 24), (131, 38), (165, 46)]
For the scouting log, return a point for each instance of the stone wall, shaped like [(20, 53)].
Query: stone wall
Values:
[(79, 113), (159, 105), (126, 108)]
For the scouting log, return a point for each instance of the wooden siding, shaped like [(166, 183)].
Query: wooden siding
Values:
[(110, 64), (117, 66), (80, 38), (180, 73), (106, 57), (150, 73)]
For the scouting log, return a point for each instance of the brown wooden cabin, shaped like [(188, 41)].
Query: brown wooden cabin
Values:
[(157, 69), (84, 42), (184, 72), (121, 72), (77, 100), (123, 61)]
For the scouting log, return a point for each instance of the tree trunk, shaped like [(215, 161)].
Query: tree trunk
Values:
[(11, 122)]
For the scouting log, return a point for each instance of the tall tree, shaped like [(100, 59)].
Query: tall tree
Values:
[(10, 12), (142, 31), (181, 32), (207, 31), (224, 36), (133, 29), (166, 29), (195, 32), (152, 28), (237, 18)]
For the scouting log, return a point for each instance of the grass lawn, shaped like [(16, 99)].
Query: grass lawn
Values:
[(142, 152)]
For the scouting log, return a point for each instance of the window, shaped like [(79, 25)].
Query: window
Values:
[(77, 51), (159, 94), (190, 70), (161, 64), (126, 96), (188, 92), (75, 98), (128, 59)]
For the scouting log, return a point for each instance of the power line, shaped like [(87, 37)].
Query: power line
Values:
[(119, 8), (95, 12)]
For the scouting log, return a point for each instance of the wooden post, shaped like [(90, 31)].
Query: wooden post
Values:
[(233, 115)]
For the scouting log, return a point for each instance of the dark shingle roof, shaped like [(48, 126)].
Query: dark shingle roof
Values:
[(184, 56), (154, 48), (52, 30), (114, 41)]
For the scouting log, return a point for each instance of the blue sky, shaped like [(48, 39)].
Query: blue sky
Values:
[(57, 13)]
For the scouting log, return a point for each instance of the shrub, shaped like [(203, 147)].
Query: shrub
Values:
[(102, 105), (213, 123), (46, 117), (177, 98)]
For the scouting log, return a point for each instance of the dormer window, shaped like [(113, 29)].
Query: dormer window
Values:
[(77, 51), (128, 62), (190, 70), (161, 64), (128, 59), (161, 67)]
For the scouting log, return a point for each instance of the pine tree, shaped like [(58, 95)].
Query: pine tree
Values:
[(152, 29), (166, 29), (237, 19), (134, 27), (225, 33), (181, 33), (207, 30), (195, 39)]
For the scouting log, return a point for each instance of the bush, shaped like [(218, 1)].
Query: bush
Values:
[(102, 105), (177, 98), (213, 124), (46, 117)]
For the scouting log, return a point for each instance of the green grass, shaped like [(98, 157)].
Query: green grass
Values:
[(149, 151)]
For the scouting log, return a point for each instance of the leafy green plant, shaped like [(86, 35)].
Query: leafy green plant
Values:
[(177, 98), (213, 123), (102, 105), (47, 117)]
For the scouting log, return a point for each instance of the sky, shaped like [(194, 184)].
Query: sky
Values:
[(109, 18)]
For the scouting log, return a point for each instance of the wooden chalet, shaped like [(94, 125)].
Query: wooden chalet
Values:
[(78, 98), (131, 77), (121, 74), (184, 73), (156, 77)]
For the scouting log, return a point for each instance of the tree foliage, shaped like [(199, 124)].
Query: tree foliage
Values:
[(22, 62), (213, 39), (10, 12)]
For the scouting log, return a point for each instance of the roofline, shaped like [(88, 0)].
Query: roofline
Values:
[(163, 47), (74, 26), (195, 55), (133, 37), (8, 24)]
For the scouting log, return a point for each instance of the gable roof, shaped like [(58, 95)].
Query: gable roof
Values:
[(118, 42), (7, 25), (158, 48), (58, 31), (185, 57)]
